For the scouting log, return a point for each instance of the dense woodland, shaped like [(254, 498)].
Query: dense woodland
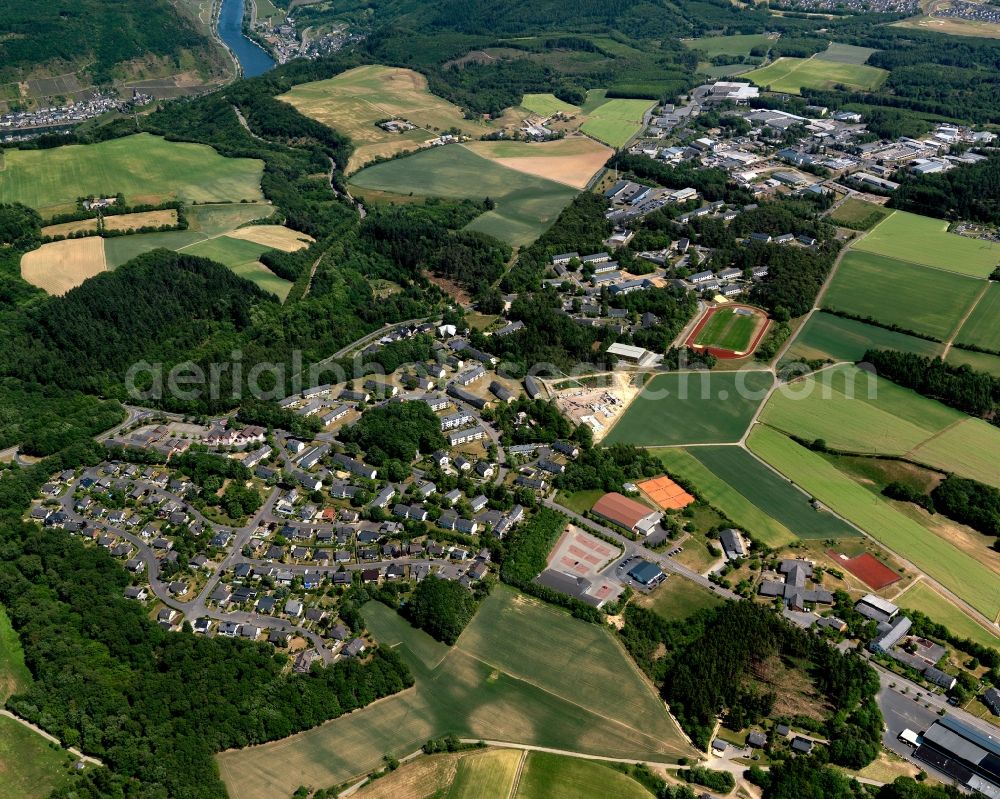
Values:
[(396, 431), (442, 608), (970, 192)]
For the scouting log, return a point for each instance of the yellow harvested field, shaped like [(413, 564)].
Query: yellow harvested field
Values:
[(141, 220), (68, 228), (277, 237), (60, 266), (572, 161), (354, 101)]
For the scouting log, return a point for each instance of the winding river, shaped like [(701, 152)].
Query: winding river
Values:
[(251, 56)]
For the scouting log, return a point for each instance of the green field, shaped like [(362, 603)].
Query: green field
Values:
[(982, 328), (614, 122), (202, 238), (845, 53), (791, 75), (548, 776), (924, 240), (826, 336), (855, 213), (14, 675), (728, 330), (30, 768), (927, 301), (692, 408), (525, 205), (855, 411), (678, 598), (552, 691), (740, 44), (767, 492), (925, 599), (547, 105), (143, 167), (489, 775), (980, 361), (962, 574)]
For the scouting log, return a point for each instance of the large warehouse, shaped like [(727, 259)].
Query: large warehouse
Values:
[(969, 756), (627, 513)]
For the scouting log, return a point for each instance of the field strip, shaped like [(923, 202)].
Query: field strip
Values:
[(517, 776), (659, 743), (964, 319), (909, 454), (853, 248)]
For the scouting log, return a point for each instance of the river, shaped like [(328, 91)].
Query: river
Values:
[(252, 58)]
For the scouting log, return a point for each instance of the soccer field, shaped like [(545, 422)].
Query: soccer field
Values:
[(692, 408), (791, 75), (145, 168), (552, 691), (959, 572), (927, 301), (982, 328), (728, 330), (614, 122), (840, 339), (924, 240), (525, 205)]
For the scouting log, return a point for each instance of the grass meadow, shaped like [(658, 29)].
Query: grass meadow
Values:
[(145, 168), (557, 695), (677, 598), (767, 492), (14, 675), (856, 411), (691, 408), (926, 241), (549, 776), (791, 75), (928, 301), (547, 105), (845, 53), (740, 44), (30, 767), (980, 361), (982, 329), (855, 213), (922, 597), (614, 122), (825, 336), (525, 205), (959, 572)]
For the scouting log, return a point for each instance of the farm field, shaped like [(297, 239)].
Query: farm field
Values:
[(354, 101), (740, 44), (525, 205), (572, 161), (66, 228), (957, 571), (547, 105), (678, 598), (274, 237), (856, 411), (471, 695), (59, 266), (719, 494), (548, 776), (858, 213), (926, 241), (614, 122), (31, 768), (982, 328), (927, 301), (691, 408), (141, 220), (845, 53), (719, 71), (486, 775), (769, 493), (794, 74), (145, 168), (825, 336), (980, 361), (241, 256), (921, 597), (729, 331)]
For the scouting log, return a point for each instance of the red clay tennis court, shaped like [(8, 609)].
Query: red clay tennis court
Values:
[(666, 493), (867, 568)]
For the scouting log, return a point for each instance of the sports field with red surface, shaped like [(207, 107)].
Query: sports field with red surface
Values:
[(666, 493), (867, 568), (729, 331)]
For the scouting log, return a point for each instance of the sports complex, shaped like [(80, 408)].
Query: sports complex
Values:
[(729, 331)]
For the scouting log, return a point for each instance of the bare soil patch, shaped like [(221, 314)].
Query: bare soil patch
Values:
[(275, 236)]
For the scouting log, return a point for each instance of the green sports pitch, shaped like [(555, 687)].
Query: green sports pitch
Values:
[(925, 240), (692, 408), (728, 329), (143, 167), (791, 75), (525, 205), (928, 301)]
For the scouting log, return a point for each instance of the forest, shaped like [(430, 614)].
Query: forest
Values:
[(969, 192), (396, 431), (441, 608)]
